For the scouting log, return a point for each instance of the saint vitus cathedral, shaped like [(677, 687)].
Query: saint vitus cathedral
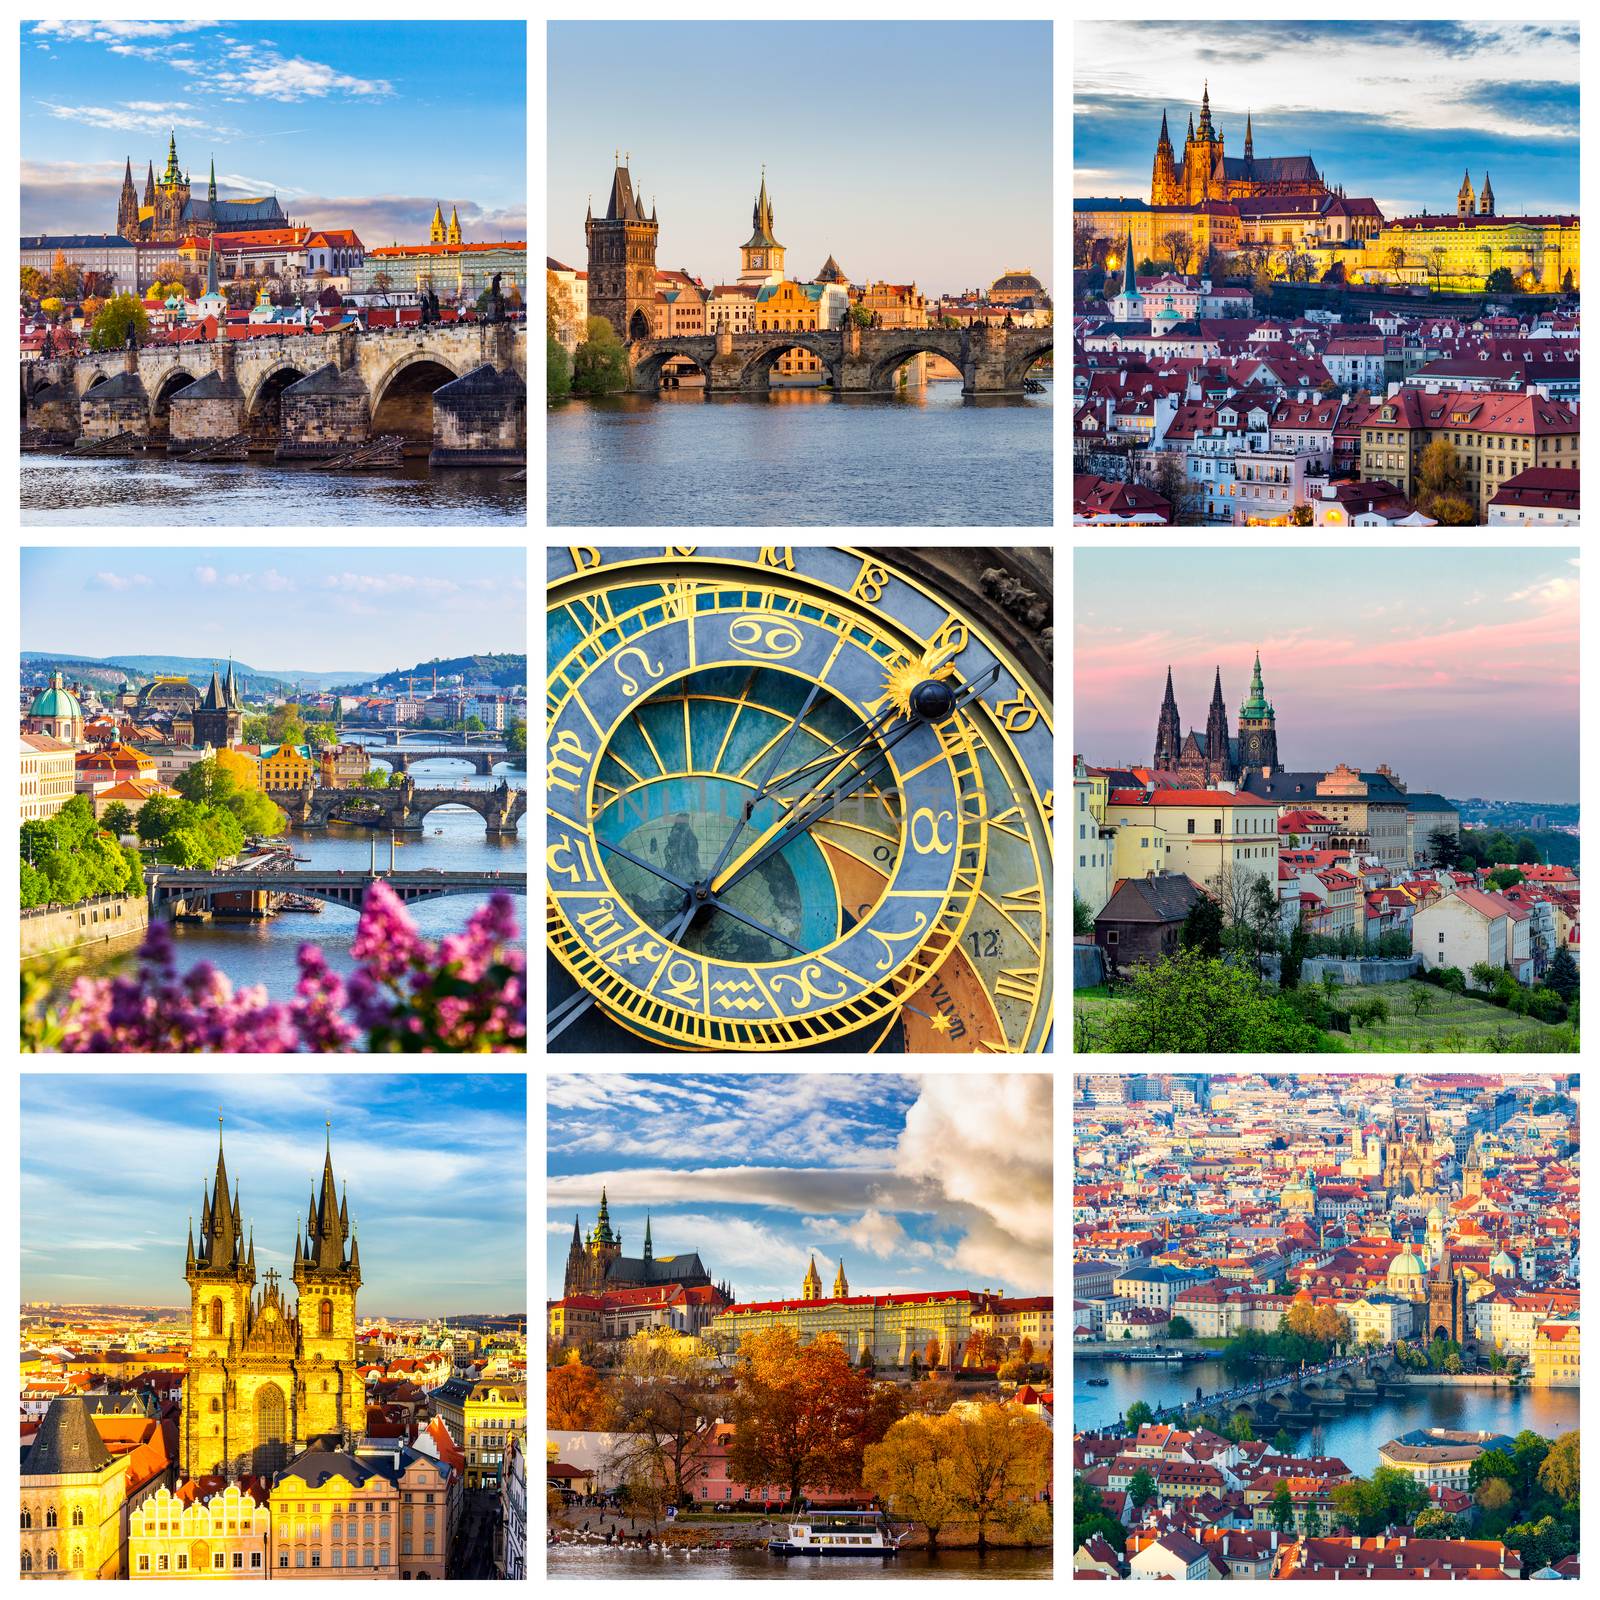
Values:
[(598, 1266), (265, 1379), (1208, 173), (1201, 760)]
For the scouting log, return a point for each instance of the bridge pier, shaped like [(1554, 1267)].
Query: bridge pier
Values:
[(209, 410), (324, 414), (480, 420), (119, 405), (53, 411)]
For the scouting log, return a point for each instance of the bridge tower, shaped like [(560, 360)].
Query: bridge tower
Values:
[(622, 261)]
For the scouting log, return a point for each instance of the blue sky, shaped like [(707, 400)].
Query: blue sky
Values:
[(1422, 652), (112, 1169), (942, 1181), (351, 124), (1392, 110), (908, 151), (289, 608)]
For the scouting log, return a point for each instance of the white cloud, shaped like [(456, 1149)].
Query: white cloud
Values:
[(368, 583), (75, 28), (205, 575), (117, 583), (292, 78), (1548, 594), (876, 1232), (131, 116)]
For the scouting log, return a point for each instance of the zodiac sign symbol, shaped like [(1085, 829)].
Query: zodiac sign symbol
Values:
[(871, 583), (889, 940), (935, 845), (565, 747), (777, 556), (681, 549), (630, 684), (774, 641), (1018, 715), (633, 954), (574, 871), (948, 642), (584, 557), (807, 986), (599, 923), (683, 978), (738, 1003)]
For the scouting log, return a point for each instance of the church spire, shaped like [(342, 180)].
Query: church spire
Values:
[(436, 227), (453, 233), (1169, 731), (211, 192), (811, 1289), (1217, 753), (1249, 139), (841, 1284), (1165, 141), (1205, 112), (649, 1251)]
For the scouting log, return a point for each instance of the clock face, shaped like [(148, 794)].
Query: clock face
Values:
[(796, 800), (757, 259)]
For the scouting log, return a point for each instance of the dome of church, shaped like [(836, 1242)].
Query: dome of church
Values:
[(56, 701), (1405, 1265), (1502, 1266), (1020, 281)]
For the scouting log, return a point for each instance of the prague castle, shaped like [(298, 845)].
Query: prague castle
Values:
[(598, 1266), (168, 213), (265, 1379), (1201, 760), (1207, 173)]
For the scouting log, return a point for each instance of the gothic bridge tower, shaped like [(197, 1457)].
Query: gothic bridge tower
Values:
[(622, 261)]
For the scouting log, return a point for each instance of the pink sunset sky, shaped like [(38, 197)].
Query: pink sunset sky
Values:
[(1457, 667)]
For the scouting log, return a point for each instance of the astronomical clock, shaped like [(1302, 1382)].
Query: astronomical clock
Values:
[(799, 798)]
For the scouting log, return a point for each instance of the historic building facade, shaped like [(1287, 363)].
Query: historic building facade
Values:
[(265, 1379), (597, 1265), (1208, 173), (219, 718), (1409, 1164), (622, 261)]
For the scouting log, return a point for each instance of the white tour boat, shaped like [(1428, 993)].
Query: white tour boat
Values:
[(836, 1533)]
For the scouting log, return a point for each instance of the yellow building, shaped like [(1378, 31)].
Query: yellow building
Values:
[(92, 1462), (264, 1379), (1203, 226), (334, 1516), (578, 1317), (785, 305), (1459, 252), (208, 1529), (485, 1415), (1555, 1355), (894, 305), (1204, 833), (890, 1328), (1013, 1320), (286, 766)]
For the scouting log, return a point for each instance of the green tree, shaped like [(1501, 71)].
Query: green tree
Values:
[(109, 331), (1505, 878), (1139, 1414), (1202, 927), (1312, 1520), (1281, 1442), (1196, 1003), (1359, 1506), (117, 819), (1090, 1517), (1141, 1486), (1540, 1544), (1180, 1328), (1282, 1512), (1294, 957), (1562, 975), (1420, 1000), (1444, 847), (1499, 281), (1437, 1524), (601, 364), (558, 369), (1240, 1430), (859, 317), (1558, 1472), (1491, 1464), (1082, 916), (206, 783), (517, 738)]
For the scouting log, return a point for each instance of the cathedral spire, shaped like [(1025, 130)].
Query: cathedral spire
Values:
[(649, 1250), (1165, 141), (1249, 140), (211, 193), (577, 1232), (1205, 112), (1217, 753), (1169, 731)]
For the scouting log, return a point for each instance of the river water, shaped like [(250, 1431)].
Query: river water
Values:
[(453, 840), (148, 490), (587, 1562), (1354, 1434), (926, 457)]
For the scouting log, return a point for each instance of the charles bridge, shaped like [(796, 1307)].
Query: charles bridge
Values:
[(991, 360), (455, 392), (403, 807), (180, 890)]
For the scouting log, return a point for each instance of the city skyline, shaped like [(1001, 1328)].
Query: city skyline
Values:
[(924, 1183), (970, 182), (284, 609), (1430, 654), (314, 112), (109, 1179), (1501, 98)]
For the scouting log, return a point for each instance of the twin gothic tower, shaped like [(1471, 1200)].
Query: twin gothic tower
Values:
[(1214, 757), (1208, 173), (265, 1379)]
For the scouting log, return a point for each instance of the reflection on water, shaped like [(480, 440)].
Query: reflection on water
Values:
[(1353, 1434), (927, 456), (147, 490), (589, 1562)]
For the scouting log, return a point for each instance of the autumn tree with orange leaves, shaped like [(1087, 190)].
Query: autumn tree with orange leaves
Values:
[(804, 1415), (575, 1399)]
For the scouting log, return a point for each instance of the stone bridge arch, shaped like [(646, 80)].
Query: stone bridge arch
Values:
[(402, 397), (161, 391), (647, 368), (821, 343), (1018, 361), (91, 378), (263, 406), (894, 354)]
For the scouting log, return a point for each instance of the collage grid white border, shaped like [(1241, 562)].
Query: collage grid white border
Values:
[(1063, 16)]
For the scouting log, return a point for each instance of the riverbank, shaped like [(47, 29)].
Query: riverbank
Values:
[(589, 1529), (1461, 1380), (96, 924)]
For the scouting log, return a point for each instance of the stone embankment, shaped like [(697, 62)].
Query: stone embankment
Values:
[(50, 930)]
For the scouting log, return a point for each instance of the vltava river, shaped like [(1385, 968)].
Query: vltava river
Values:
[(595, 1562), (143, 490), (453, 840), (1353, 1434), (801, 456)]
